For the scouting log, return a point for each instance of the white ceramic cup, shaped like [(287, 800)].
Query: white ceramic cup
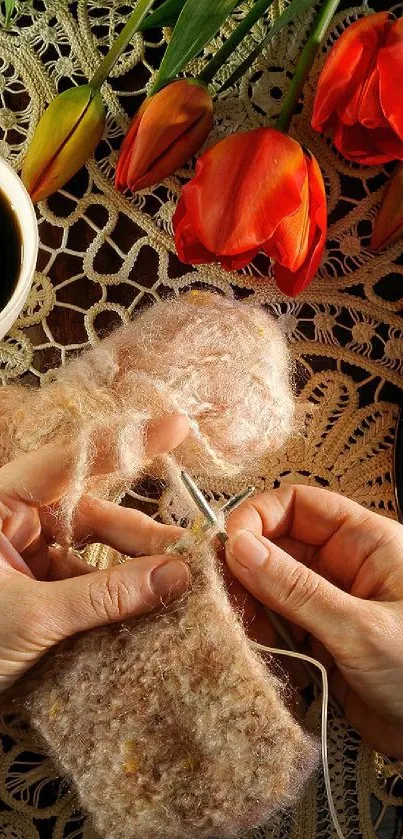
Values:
[(14, 190)]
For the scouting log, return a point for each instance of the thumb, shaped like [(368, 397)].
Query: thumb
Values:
[(123, 591), (290, 588)]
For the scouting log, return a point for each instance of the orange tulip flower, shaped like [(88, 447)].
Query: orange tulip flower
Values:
[(167, 130), (255, 191), (358, 97)]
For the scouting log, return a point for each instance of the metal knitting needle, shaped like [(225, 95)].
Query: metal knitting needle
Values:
[(238, 499), (203, 505)]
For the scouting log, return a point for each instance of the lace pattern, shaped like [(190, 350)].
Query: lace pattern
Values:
[(104, 255)]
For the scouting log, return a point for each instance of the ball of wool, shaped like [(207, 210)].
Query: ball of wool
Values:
[(171, 726), (224, 364)]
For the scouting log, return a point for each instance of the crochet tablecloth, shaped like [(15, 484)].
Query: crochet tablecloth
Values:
[(103, 255)]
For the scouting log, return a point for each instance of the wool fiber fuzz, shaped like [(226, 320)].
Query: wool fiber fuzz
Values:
[(225, 365), (171, 726)]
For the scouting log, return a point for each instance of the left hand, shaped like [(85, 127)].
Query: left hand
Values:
[(48, 593)]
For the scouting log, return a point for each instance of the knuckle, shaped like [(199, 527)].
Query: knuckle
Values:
[(302, 588), (112, 598)]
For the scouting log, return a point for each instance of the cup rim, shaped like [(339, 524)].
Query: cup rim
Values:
[(29, 234)]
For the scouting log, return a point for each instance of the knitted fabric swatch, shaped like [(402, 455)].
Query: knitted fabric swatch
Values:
[(171, 726)]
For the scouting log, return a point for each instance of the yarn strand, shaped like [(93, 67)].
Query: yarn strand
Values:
[(285, 636), (325, 703)]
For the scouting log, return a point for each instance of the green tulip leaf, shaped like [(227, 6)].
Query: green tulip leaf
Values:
[(257, 11), (9, 8), (119, 45), (295, 8), (166, 14), (197, 24)]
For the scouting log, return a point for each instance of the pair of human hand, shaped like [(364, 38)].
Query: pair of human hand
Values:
[(332, 569)]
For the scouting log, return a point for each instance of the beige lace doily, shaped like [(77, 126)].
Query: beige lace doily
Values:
[(102, 255)]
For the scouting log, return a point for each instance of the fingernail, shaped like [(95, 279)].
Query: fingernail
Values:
[(170, 580), (247, 549)]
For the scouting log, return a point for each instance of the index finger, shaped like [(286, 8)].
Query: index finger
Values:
[(40, 478), (343, 533), (309, 514)]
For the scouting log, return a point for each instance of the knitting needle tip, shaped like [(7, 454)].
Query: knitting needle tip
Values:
[(202, 504), (238, 499)]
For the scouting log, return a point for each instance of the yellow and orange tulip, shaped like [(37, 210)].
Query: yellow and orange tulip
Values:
[(66, 136)]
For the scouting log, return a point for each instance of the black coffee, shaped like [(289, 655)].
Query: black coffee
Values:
[(10, 250)]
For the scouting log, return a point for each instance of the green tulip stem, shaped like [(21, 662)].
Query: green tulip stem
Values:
[(305, 62), (215, 64), (131, 27)]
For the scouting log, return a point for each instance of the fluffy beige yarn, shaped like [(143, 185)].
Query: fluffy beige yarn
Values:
[(223, 364), (169, 726)]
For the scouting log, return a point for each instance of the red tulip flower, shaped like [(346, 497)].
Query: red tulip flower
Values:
[(167, 130), (359, 98), (255, 191)]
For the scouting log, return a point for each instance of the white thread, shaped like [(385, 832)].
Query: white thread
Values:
[(325, 702)]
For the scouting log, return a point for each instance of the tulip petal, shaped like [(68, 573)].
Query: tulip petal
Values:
[(347, 69), (123, 163), (173, 124), (191, 250), (365, 106), (293, 282), (235, 263), (289, 242), (188, 246), (390, 68), (388, 227), (369, 147), (243, 188)]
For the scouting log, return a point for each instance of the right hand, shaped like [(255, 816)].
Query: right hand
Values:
[(335, 570)]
